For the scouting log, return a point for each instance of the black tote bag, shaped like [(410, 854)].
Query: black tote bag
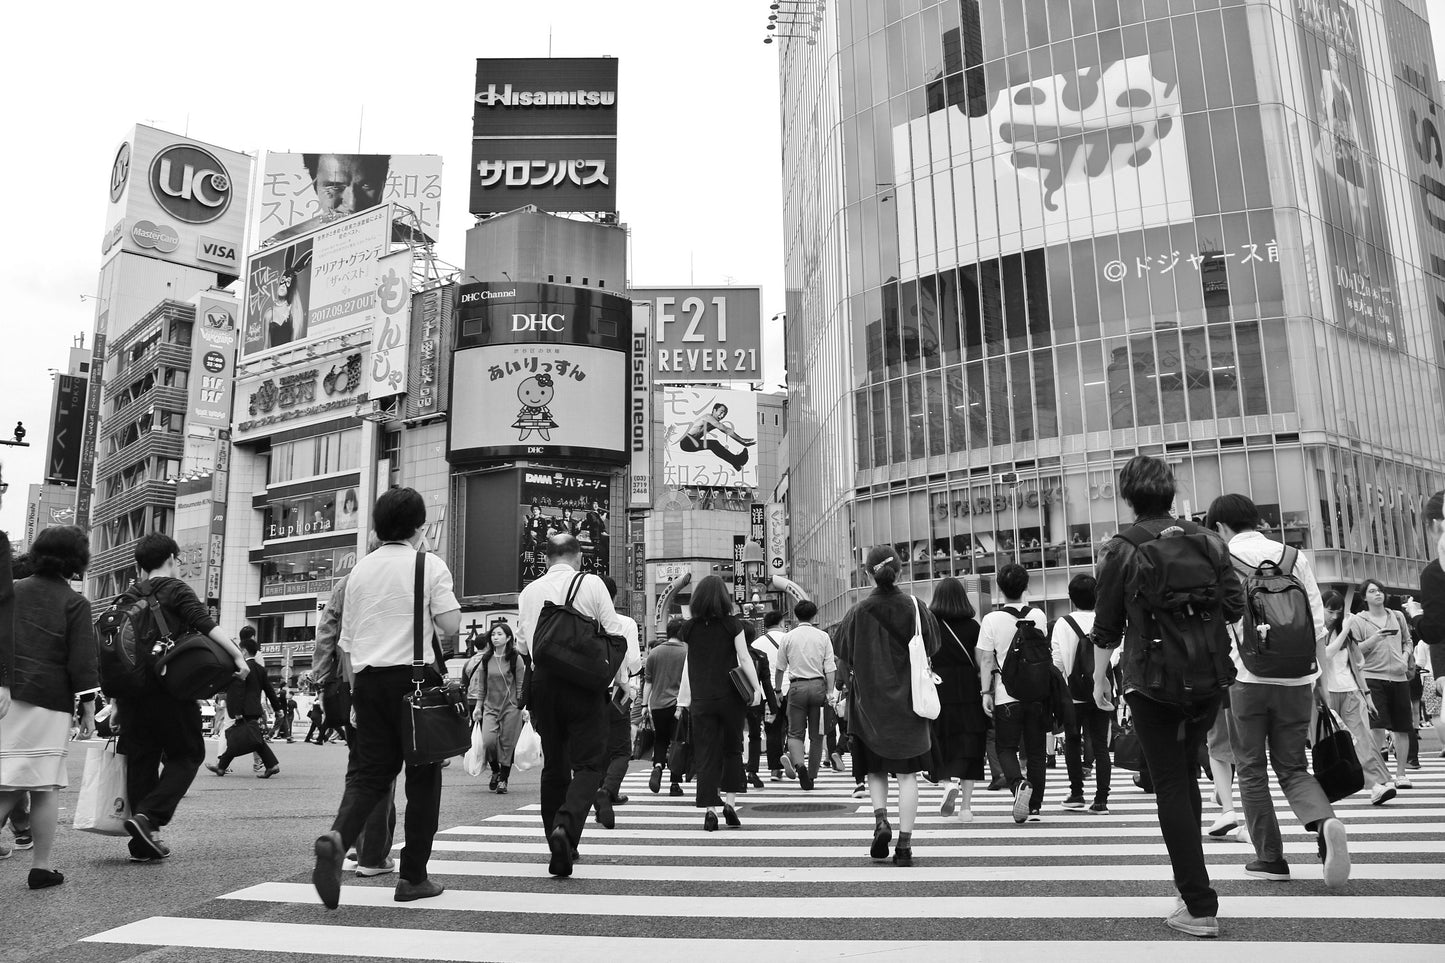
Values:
[(437, 713), (1334, 760)]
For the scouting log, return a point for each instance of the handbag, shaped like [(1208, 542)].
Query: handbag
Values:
[(1334, 760), (922, 682), (679, 754), (741, 683), (1128, 754), (645, 739), (191, 666), (242, 737), (102, 806), (574, 647), (475, 757), (437, 723)]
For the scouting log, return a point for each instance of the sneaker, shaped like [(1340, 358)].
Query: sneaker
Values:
[(216, 768), (860, 791), (1404, 783), (143, 834), (1075, 801), (492, 783), (1224, 825), (1034, 816), (1099, 809), (387, 867), (1021, 802), (1274, 870), (805, 778), (837, 759), (1205, 926), (502, 788), (1088, 773), (776, 776), (5, 851), (950, 799), (1413, 764), (1382, 793), (788, 768), (24, 841), (1334, 853), (965, 815)]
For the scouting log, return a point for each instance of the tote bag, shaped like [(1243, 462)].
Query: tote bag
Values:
[(102, 806), (1334, 760), (923, 683)]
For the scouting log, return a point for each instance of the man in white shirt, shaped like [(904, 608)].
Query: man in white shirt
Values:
[(773, 728), (1074, 656), (806, 654), (377, 636), (1274, 713), (571, 720), (619, 717)]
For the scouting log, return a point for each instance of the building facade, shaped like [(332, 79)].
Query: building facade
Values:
[(1026, 242)]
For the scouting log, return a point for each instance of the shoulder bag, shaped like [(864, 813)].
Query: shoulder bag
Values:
[(922, 682), (1333, 758), (436, 714)]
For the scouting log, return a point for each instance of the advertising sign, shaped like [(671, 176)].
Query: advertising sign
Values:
[(390, 328), (427, 373), (1340, 140), (320, 284), (706, 334), (709, 436), (192, 531), (67, 431), (544, 132), (740, 575), (212, 381), (179, 200), (88, 444), (292, 397), (540, 370), (302, 192), (639, 423), (317, 513), (563, 502), (776, 547)]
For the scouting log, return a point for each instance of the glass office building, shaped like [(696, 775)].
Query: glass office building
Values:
[(1026, 241)]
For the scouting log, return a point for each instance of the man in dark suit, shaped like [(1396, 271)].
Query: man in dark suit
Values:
[(243, 703)]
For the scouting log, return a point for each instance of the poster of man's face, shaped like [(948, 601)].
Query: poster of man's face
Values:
[(301, 192)]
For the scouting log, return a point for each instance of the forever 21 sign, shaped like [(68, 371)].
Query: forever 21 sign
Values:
[(705, 334)]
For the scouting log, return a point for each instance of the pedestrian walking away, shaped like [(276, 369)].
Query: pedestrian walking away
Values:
[(888, 737), (775, 719), (806, 654), (243, 704), (1008, 636), (961, 730), (663, 672), (621, 696), (1074, 656), (378, 635)]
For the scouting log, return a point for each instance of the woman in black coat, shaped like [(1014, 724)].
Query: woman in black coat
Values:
[(960, 732)]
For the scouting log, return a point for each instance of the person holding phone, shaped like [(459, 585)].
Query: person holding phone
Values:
[(1384, 644)]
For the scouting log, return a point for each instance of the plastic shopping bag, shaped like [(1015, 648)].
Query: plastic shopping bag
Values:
[(102, 806), (529, 749), (473, 760)]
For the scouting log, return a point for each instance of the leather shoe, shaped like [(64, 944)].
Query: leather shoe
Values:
[(561, 847), (620, 799), (654, 781), (326, 876), (731, 816), (603, 805), (406, 890), (709, 822), (676, 789)]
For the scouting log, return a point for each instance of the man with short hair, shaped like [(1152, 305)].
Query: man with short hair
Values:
[(1273, 714), (161, 736), (806, 654), (243, 705), (774, 727), (1015, 723), (570, 719), (1074, 656), (619, 713), (664, 678)]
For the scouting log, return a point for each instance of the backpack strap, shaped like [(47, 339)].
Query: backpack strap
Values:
[(574, 588), (1288, 559), (1075, 626), (1137, 535)]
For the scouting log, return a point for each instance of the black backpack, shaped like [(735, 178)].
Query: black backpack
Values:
[(574, 647), (1028, 664), (1081, 676), (1185, 637), (1277, 634), (125, 634)]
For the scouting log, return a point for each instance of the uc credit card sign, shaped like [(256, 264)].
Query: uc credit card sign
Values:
[(705, 334)]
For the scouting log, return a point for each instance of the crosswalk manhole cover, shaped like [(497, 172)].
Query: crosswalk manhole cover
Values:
[(800, 808)]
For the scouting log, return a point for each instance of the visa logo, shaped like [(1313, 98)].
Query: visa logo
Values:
[(219, 251)]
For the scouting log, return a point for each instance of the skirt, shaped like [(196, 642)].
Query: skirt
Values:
[(33, 746), (874, 764)]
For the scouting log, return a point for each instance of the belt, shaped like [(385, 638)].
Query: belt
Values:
[(811, 678)]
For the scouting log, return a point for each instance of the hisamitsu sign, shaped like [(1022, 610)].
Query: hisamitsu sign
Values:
[(705, 334)]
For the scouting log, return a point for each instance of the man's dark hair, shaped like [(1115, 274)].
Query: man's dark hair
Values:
[(1237, 511), (1012, 580), (1435, 507), (772, 620), (611, 584), (373, 165), (249, 644), (674, 626), (951, 601), (21, 566), (398, 514), (1084, 592), (153, 549), (62, 551), (247, 632), (1147, 484), (805, 611), (560, 546), (710, 599)]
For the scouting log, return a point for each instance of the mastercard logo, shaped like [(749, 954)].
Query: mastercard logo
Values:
[(162, 238)]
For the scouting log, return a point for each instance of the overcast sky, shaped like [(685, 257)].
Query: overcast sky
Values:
[(698, 181)]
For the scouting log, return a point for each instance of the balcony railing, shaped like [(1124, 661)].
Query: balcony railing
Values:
[(150, 444), (157, 396), (158, 494)]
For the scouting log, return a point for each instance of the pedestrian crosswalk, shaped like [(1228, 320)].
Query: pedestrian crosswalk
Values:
[(795, 883)]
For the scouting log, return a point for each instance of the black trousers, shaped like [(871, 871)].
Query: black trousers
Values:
[(1089, 728), (257, 745), (379, 757), (755, 738), (1171, 739), (161, 740), (374, 845), (619, 746), (664, 724), (1022, 724), (573, 725), (717, 745)]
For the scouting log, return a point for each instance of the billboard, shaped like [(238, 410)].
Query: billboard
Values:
[(212, 381), (321, 284), (705, 334), (88, 443), (67, 430), (709, 436), (179, 200), (302, 394), (540, 370), (544, 132), (193, 531), (427, 371), (390, 328), (302, 192), (556, 502), (1340, 142), (639, 417)]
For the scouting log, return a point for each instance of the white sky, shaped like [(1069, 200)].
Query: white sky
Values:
[(698, 166)]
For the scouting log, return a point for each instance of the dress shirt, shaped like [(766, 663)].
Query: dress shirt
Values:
[(806, 653), (632, 664), (593, 601), (1065, 642), (1252, 549), (376, 615)]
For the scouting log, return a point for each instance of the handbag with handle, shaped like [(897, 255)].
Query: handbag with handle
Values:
[(102, 806), (437, 714), (922, 682), (1334, 760), (1128, 754)]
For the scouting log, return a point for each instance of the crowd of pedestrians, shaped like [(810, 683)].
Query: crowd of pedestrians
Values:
[(1167, 635)]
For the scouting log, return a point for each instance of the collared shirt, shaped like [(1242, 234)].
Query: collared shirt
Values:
[(1252, 549), (806, 653), (996, 634), (593, 601), (1065, 641), (632, 664), (376, 614)]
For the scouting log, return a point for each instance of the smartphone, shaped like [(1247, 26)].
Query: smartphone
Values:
[(1389, 631)]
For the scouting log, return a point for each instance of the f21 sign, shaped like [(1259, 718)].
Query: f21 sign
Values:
[(705, 334)]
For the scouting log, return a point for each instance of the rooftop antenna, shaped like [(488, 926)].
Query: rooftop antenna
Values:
[(549, 41), (359, 122)]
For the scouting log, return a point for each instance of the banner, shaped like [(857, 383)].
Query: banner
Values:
[(212, 381), (639, 426), (302, 192), (706, 334), (67, 430), (777, 539), (428, 374), (390, 328), (301, 394), (740, 574), (709, 438), (563, 502), (86, 489)]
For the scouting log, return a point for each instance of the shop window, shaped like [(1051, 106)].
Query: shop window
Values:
[(1226, 373)]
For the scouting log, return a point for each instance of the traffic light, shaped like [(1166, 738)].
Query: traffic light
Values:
[(18, 440)]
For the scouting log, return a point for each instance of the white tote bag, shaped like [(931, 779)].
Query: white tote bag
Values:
[(920, 673), (102, 806)]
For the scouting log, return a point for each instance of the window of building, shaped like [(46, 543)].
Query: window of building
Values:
[(879, 406), (1121, 395), (317, 513), (1253, 388), (305, 573), (1023, 402), (998, 402), (1046, 411), (1144, 371), (318, 455)]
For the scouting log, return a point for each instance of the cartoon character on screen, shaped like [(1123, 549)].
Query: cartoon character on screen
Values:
[(536, 394)]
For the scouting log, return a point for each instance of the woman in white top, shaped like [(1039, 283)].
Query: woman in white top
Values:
[(1349, 695), (1384, 644)]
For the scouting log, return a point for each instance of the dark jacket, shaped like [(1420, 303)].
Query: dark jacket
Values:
[(956, 663), (182, 610), (54, 643), (243, 697), (1119, 616), (873, 642), (1429, 625)]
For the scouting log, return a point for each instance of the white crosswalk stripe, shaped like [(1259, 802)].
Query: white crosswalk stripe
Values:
[(1095, 886)]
